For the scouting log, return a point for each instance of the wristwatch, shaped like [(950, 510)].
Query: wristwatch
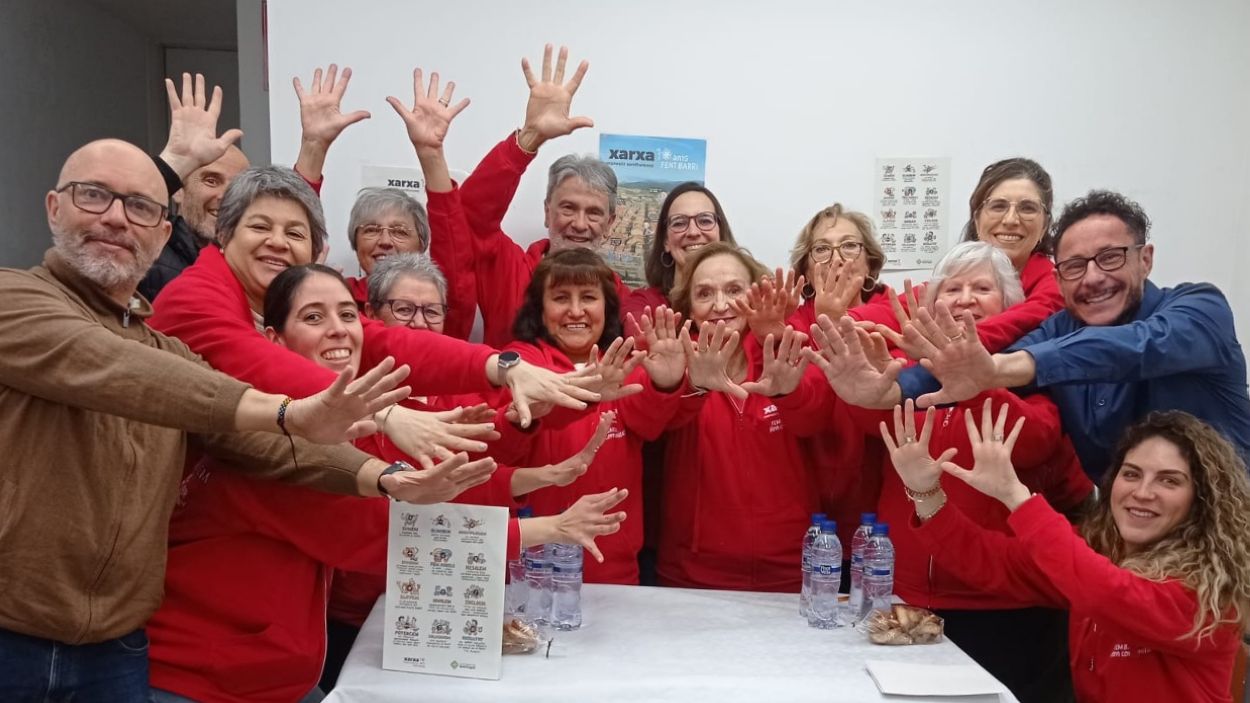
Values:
[(507, 360), (393, 468)]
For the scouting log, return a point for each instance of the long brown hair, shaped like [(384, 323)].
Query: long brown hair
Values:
[(1008, 170), (663, 276)]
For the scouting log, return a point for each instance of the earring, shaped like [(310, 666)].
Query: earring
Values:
[(870, 284), (669, 263)]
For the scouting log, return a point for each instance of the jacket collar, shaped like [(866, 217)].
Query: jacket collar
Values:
[(91, 293)]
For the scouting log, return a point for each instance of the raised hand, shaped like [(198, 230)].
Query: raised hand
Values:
[(784, 367), (836, 290), (440, 483), (909, 452), (344, 411), (954, 354), (840, 355), (665, 359), (538, 386), (321, 115), (551, 98), (588, 518), (906, 317), (193, 140), (613, 367), (708, 360), (992, 472), (769, 303), (427, 436), (431, 114)]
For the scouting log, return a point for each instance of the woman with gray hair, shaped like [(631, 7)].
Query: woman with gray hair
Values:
[(408, 290), (384, 221)]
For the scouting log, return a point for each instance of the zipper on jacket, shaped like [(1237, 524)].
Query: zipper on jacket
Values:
[(134, 305)]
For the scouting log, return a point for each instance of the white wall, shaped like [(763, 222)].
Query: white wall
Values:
[(72, 73), (797, 99)]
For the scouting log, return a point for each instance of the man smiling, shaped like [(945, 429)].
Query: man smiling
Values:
[(1121, 348)]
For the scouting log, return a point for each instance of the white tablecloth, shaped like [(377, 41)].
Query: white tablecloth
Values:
[(662, 644)]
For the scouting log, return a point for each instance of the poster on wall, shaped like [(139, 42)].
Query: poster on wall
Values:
[(445, 590), (646, 168), (911, 197), (408, 179)]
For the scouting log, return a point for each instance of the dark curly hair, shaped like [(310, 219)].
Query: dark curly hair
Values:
[(570, 266), (1104, 202)]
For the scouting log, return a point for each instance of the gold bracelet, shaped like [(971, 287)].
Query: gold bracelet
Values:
[(926, 518), (921, 495)]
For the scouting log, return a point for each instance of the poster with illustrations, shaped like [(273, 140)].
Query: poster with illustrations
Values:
[(646, 168), (911, 197), (445, 590)]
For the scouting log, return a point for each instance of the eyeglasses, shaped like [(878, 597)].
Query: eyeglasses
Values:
[(1026, 210), (848, 251), (406, 311), (1112, 259), (96, 200), (704, 221), (372, 232)]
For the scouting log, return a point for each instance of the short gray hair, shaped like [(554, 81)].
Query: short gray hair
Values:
[(275, 182), (390, 270), (967, 255), (593, 172), (372, 203)]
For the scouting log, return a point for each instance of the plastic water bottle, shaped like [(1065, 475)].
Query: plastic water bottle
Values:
[(826, 577), (808, 538), (878, 570), (566, 586), (538, 580), (855, 607), (517, 591)]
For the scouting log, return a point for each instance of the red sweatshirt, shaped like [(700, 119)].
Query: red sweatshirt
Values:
[(639, 418), (1124, 629), (738, 495), (503, 269), (1041, 300), (207, 309), (1044, 460), (451, 247)]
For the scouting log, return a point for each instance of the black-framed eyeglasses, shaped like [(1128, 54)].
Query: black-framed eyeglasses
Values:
[(1112, 259), (398, 233), (97, 199), (703, 221), (406, 311), (1026, 210), (847, 251)]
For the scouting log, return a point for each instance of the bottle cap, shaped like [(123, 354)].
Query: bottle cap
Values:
[(829, 526), (867, 518), (525, 512), (881, 528), (818, 518)]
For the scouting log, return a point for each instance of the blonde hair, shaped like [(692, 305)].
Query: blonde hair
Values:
[(863, 223), (1210, 550)]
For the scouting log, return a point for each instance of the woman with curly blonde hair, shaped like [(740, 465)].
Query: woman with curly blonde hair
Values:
[(1158, 589)]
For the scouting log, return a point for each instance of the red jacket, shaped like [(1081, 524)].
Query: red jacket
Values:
[(639, 418), (1123, 629), (207, 309), (1044, 460), (451, 247), (502, 268), (738, 495), (1041, 300)]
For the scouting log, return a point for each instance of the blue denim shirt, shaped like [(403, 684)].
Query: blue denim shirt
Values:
[(1179, 352)]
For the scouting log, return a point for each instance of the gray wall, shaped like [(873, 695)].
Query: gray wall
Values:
[(72, 73)]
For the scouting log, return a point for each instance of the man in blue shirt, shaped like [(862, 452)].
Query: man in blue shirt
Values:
[(1121, 348)]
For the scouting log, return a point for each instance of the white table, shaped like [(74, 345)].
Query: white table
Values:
[(661, 644)]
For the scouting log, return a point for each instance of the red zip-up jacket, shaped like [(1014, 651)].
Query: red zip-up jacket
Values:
[(451, 247), (207, 309), (738, 495), (639, 418), (1041, 300), (1123, 631), (502, 268)]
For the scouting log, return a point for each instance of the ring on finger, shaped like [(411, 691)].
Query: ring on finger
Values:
[(998, 438), (444, 102)]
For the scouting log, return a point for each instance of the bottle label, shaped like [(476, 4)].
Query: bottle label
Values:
[(826, 569), (878, 570)]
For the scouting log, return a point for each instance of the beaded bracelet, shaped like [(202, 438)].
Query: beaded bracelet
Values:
[(282, 426), (915, 496), (924, 518)]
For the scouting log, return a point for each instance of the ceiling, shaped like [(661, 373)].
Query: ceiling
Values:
[(205, 24)]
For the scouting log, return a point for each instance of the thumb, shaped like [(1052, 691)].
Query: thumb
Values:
[(354, 117), (232, 136), (579, 122)]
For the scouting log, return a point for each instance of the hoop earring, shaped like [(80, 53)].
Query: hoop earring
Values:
[(867, 287), (809, 291), (669, 263)]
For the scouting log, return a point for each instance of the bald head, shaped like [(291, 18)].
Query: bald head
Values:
[(119, 165)]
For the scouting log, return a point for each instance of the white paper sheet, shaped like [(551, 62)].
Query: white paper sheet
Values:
[(947, 680)]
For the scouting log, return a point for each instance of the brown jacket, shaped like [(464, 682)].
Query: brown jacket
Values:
[(95, 411)]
